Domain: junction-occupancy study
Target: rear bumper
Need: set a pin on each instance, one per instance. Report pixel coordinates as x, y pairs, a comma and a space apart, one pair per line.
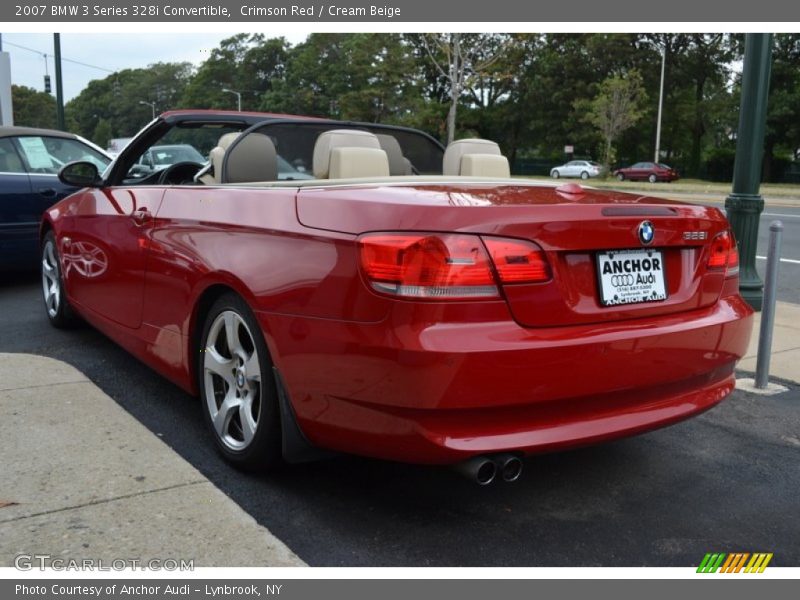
441, 392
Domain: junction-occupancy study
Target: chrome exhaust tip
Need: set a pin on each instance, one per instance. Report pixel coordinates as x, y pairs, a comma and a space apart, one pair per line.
480, 469
509, 467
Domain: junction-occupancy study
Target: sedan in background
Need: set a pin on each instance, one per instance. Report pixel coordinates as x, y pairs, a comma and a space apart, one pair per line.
578, 168
647, 171
29, 163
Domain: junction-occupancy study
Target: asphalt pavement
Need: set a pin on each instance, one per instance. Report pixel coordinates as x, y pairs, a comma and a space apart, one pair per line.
725, 481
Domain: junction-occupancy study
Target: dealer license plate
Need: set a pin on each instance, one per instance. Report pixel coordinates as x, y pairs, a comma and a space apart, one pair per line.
630, 276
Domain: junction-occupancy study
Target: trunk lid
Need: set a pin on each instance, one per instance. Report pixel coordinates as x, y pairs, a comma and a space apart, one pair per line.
573, 225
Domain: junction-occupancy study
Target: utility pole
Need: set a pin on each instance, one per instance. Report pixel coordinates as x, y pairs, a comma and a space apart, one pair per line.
59, 86
745, 204
657, 159
6, 105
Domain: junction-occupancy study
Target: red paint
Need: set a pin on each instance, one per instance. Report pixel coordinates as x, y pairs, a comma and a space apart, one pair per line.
539, 366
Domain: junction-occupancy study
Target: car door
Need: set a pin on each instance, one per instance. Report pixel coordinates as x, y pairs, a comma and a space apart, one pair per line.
20, 211
637, 171
105, 248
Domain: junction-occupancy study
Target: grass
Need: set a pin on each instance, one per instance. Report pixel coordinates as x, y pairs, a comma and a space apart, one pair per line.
685, 186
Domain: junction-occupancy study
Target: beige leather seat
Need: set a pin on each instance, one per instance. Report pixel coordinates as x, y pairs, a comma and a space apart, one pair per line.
251, 158
398, 164
349, 153
254, 158
211, 174
476, 158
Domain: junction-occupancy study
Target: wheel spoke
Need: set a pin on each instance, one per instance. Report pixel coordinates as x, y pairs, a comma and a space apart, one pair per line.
219, 365
246, 418
232, 334
253, 368
226, 410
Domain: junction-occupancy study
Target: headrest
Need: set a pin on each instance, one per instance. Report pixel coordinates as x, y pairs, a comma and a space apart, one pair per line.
338, 138
252, 158
485, 165
358, 162
451, 164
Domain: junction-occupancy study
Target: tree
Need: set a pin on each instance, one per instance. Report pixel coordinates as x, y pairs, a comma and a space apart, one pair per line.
33, 108
617, 106
116, 98
782, 142
247, 64
459, 57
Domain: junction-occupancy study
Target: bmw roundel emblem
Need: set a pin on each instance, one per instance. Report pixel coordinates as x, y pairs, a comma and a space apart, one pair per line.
646, 232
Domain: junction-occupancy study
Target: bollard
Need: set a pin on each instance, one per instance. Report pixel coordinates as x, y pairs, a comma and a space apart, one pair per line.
768, 308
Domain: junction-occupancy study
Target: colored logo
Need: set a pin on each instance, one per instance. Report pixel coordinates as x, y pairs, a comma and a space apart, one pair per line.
737, 562
646, 232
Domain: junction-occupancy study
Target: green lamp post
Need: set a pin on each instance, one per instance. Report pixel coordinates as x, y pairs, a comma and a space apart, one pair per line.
744, 205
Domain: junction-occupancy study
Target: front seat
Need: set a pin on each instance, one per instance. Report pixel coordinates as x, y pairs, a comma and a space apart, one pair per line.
250, 158
475, 157
349, 153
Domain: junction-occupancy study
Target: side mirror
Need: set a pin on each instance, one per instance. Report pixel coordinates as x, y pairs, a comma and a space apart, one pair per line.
80, 174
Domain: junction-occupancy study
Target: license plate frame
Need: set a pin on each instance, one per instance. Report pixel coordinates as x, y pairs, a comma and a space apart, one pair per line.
625, 281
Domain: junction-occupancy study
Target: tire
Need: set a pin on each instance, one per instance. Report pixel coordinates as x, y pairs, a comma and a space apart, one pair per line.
235, 376
652, 178
620, 176
555, 174
56, 305
584, 175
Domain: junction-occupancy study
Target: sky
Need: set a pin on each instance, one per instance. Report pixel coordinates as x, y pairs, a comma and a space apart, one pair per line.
102, 54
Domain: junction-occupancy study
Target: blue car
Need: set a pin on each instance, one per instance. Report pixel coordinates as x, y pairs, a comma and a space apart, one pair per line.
29, 163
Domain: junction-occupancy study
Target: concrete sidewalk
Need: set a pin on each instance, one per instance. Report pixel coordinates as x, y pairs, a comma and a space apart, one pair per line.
81, 478
785, 361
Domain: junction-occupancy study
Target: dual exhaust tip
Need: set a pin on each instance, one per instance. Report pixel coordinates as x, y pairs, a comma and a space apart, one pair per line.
483, 470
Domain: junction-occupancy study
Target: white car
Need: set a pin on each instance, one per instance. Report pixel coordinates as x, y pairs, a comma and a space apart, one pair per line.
578, 168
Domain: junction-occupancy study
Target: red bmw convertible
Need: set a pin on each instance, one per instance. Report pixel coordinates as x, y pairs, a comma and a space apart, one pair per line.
335, 286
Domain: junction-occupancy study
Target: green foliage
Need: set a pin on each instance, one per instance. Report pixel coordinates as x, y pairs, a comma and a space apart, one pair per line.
33, 108
102, 133
530, 92
248, 64
616, 107
117, 99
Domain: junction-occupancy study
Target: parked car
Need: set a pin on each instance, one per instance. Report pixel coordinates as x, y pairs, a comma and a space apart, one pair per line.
29, 163
578, 168
410, 302
647, 171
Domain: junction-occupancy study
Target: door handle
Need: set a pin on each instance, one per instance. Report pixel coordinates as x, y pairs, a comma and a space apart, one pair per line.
47, 192
140, 215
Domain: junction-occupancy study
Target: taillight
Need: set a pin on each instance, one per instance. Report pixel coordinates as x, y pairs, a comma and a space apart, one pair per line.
436, 266
518, 261
448, 266
724, 254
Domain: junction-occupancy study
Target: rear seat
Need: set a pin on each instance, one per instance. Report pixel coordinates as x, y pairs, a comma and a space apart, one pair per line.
349, 153
476, 158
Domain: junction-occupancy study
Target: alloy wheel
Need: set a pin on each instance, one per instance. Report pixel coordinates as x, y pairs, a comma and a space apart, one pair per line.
51, 280
232, 380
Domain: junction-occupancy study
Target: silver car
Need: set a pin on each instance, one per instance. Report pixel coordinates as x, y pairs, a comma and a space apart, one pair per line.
578, 168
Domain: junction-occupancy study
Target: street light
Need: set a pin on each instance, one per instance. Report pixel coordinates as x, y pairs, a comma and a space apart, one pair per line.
152, 106
238, 97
